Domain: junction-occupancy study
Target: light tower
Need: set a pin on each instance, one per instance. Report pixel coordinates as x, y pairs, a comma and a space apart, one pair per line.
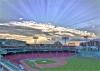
65, 38
35, 39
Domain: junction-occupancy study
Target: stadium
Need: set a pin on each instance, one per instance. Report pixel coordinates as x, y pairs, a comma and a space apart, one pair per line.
60, 53
49, 35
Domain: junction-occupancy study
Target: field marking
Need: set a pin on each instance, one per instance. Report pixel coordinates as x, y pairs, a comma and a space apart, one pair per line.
58, 62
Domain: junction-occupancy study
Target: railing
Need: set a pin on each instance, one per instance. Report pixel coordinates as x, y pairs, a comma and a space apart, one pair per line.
9, 65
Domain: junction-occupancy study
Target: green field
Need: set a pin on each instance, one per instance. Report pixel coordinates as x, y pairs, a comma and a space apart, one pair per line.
44, 61
30, 63
75, 64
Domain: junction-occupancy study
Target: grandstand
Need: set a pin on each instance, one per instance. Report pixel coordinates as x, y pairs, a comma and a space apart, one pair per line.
46, 42
15, 58
13, 52
90, 48
10, 66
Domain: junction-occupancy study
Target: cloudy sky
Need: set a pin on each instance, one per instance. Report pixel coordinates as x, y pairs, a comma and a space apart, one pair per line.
77, 14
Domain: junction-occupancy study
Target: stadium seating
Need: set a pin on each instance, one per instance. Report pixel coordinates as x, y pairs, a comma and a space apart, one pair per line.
16, 58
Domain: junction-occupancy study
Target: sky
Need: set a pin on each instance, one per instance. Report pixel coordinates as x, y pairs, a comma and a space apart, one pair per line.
76, 14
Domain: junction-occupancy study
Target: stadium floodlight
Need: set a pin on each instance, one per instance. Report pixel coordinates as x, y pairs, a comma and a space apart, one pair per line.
65, 38
35, 39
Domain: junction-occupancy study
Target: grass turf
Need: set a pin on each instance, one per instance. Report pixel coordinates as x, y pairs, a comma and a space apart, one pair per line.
76, 64
44, 61
30, 63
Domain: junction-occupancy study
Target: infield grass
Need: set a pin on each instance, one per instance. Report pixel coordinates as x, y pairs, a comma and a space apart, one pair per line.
75, 64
